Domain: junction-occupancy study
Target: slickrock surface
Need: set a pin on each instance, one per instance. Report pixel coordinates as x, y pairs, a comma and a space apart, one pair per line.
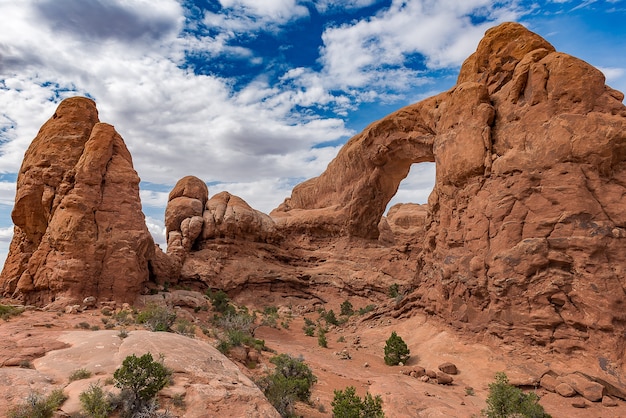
79, 229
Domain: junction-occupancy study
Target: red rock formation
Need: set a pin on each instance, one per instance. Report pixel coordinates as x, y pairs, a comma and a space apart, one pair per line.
79, 229
230, 216
526, 233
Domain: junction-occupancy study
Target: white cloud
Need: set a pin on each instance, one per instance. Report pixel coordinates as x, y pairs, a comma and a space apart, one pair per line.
417, 186
6, 235
612, 73
157, 230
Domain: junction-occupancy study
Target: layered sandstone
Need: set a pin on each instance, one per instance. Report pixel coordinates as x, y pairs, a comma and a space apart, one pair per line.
79, 230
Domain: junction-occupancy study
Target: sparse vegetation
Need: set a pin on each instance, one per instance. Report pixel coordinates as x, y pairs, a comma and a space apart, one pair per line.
156, 318
394, 290
83, 325
321, 338
347, 404
80, 374
238, 327
346, 308
505, 400
140, 379
291, 381
122, 334
38, 406
329, 317
8, 311
95, 402
220, 301
184, 327
366, 309
396, 350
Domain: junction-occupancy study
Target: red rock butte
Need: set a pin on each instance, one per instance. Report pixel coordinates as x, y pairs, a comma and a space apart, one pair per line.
523, 237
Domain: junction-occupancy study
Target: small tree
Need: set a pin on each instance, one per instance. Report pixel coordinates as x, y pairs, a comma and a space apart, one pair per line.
347, 404
504, 400
141, 378
396, 350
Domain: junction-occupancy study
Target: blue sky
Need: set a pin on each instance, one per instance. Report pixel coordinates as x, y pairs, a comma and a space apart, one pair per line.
255, 96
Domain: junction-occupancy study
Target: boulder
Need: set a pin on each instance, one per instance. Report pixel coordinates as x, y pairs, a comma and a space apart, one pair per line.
229, 216
588, 389
565, 390
448, 368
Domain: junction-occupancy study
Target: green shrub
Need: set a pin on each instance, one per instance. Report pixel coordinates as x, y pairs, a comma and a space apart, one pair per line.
156, 318
321, 338
330, 317
396, 350
504, 400
220, 301
83, 325
124, 317
37, 406
80, 374
394, 290
291, 381
347, 404
346, 308
366, 309
140, 379
7, 311
309, 330
95, 402
184, 327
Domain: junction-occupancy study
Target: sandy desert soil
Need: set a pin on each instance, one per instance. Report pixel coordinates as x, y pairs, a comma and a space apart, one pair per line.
25, 339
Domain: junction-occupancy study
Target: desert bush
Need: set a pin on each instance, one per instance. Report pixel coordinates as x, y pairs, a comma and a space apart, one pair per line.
347, 404
38, 406
505, 400
83, 325
330, 317
366, 309
184, 327
156, 318
346, 308
321, 338
140, 379
396, 350
95, 402
309, 330
220, 301
8, 311
394, 290
291, 381
124, 317
80, 374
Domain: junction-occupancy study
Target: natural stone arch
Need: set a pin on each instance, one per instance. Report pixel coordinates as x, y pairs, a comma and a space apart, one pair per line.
350, 197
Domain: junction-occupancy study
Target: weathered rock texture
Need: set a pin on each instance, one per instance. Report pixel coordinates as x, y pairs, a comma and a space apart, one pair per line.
526, 232
79, 230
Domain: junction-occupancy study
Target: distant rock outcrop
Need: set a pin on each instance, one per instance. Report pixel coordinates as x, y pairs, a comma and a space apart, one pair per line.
79, 229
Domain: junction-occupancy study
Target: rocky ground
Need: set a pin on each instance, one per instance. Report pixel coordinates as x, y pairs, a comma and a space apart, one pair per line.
40, 349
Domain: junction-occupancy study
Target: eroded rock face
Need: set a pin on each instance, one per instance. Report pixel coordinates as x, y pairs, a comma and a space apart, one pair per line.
526, 231
79, 229
531, 245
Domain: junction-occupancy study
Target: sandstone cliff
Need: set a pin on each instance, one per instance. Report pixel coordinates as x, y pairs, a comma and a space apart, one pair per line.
79, 230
